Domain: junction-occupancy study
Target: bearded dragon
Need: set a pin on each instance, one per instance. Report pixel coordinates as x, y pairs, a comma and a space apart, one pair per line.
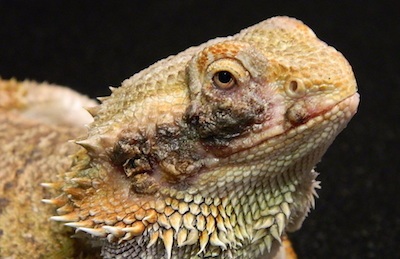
209, 153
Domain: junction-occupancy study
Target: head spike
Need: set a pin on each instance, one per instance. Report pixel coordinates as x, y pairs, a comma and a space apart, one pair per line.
97, 232
102, 98
59, 201
90, 144
66, 218
112, 89
136, 229
80, 224
82, 182
67, 208
56, 186
115, 231
93, 110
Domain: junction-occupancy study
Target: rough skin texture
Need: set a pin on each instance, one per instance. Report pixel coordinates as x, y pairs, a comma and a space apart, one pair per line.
34, 149
209, 153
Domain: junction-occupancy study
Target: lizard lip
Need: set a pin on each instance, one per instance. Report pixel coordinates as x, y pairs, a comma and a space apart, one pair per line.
342, 111
339, 113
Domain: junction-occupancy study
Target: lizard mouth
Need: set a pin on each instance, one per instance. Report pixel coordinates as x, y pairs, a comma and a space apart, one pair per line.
329, 121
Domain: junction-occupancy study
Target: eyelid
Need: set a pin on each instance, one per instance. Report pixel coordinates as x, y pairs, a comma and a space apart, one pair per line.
233, 66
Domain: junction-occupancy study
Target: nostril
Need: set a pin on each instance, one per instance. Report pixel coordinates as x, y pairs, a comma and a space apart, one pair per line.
295, 88
293, 85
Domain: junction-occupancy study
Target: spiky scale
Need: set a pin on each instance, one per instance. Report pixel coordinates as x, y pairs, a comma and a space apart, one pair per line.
136, 229
153, 239
265, 222
97, 232
192, 238
115, 231
80, 224
66, 218
203, 241
215, 241
168, 240
181, 237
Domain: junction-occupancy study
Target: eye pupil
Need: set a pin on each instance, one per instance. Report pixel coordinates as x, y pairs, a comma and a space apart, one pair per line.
224, 80
224, 77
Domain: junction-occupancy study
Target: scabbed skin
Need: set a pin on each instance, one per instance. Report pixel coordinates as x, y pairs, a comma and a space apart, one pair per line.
210, 152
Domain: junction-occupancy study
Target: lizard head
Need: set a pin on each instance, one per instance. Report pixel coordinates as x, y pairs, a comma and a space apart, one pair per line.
211, 150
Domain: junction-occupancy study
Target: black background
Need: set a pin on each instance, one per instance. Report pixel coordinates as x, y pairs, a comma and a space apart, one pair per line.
89, 45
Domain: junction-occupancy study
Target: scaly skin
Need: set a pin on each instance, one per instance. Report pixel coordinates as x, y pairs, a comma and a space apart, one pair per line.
34, 148
210, 152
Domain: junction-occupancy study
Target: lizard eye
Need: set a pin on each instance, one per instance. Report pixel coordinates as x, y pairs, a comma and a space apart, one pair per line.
223, 80
227, 73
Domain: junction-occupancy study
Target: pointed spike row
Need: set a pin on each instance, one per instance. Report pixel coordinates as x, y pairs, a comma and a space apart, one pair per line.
228, 239
273, 230
93, 110
200, 222
261, 248
56, 185
136, 229
67, 208
238, 234
79, 224
280, 220
111, 238
176, 221
82, 181
112, 89
288, 197
268, 242
261, 233
128, 236
244, 232
215, 241
221, 224
264, 223
163, 221
115, 231
285, 209
97, 232
90, 144
210, 225
227, 224
168, 240
153, 239
48, 201
192, 238
188, 221
57, 202
181, 236
66, 218
203, 241
75, 192
102, 98
151, 216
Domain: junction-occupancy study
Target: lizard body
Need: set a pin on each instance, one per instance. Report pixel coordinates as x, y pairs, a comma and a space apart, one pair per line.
210, 153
